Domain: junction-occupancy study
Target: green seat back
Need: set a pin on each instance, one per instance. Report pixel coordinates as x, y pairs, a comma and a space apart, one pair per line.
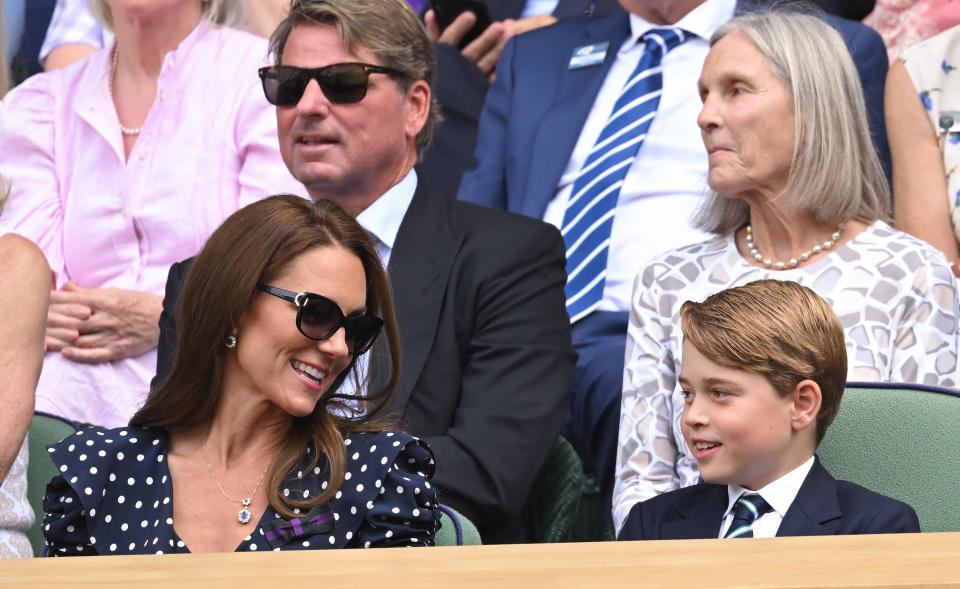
455, 529
901, 441
44, 429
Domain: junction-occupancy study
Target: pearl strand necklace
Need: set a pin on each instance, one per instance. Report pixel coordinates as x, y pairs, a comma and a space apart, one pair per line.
793, 262
113, 76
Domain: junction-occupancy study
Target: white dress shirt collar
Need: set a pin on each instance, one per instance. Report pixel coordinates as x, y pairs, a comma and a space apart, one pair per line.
702, 21
779, 494
382, 219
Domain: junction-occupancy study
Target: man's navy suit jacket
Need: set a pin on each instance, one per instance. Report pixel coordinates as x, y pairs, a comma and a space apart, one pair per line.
823, 506
537, 106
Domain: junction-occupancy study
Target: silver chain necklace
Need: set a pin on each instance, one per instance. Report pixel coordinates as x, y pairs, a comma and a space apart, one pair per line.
113, 77
244, 515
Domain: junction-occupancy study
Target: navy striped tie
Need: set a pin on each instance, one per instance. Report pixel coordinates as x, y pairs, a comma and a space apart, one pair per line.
749, 507
588, 218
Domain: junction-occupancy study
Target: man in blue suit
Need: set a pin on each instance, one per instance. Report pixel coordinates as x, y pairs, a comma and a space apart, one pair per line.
554, 91
763, 372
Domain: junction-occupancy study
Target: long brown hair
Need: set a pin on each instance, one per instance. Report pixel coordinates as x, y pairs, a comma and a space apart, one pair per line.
255, 245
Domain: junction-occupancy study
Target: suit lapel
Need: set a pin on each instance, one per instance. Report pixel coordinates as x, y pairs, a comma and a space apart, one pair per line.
576, 92
419, 268
816, 509
699, 518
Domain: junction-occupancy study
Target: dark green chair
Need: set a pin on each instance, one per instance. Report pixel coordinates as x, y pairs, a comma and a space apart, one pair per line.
455, 529
900, 440
566, 501
44, 429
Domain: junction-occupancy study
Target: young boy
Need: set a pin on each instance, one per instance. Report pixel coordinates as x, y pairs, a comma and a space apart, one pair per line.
762, 374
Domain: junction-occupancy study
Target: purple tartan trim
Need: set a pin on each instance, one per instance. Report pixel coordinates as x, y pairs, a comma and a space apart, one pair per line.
456, 522
281, 532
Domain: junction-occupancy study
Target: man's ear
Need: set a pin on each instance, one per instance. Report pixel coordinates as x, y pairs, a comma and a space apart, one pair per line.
418, 107
806, 397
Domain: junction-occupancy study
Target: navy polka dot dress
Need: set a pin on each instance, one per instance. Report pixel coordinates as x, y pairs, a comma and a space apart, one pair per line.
114, 496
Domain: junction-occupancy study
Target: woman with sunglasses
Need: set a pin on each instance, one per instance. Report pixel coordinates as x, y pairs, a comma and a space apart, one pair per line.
250, 443
124, 164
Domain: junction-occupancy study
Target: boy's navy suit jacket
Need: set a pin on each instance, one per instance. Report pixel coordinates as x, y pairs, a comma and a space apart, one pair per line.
823, 506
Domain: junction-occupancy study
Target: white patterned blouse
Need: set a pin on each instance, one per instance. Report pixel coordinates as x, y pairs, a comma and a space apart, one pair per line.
894, 294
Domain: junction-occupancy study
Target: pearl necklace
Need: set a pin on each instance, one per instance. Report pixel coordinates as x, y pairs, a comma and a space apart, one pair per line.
244, 515
113, 76
793, 262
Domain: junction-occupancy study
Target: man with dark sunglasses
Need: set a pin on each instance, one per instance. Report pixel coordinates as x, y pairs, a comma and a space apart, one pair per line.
487, 361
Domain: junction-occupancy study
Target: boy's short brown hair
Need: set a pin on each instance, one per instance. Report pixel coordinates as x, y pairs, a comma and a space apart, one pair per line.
780, 330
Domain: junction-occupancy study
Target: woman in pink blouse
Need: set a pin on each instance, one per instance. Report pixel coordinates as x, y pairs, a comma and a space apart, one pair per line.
122, 164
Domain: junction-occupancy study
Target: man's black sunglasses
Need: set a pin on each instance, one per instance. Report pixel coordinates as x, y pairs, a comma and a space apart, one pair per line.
318, 318
341, 83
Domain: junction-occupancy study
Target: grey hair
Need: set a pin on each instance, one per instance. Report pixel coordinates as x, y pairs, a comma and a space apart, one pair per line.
835, 173
220, 12
389, 29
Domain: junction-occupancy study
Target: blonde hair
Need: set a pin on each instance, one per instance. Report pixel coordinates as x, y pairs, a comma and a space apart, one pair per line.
389, 29
835, 173
779, 330
220, 12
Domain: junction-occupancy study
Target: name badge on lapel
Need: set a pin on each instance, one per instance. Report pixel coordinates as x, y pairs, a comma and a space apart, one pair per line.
588, 55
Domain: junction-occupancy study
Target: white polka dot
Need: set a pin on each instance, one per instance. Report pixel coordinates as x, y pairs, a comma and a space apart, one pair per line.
355, 455
156, 504
82, 457
333, 540
369, 504
286, 492
338, 495
306, 544
180, 544
159, 552
133, 440
155, 540
131, 481
359, 487
377, 483
416, 512
353, 509
121, 499
163, 479
93, 470
70, 529
363, 468
347, 442
347, 476
139, 457
316, 470
169, 521
107, 518
112, 477
373, 448
306, 494
73, 480
160, 458
138, 504
349, 535
383, 460
296, 510
149, 480
416, 490
63, 468
144, 524
132, 546
119, 455
166, 500
389, 434
299, 474
123, 432
336, 516
248, 538
68, 500
397, 443
70, 448
389, 534
366, 544
113, 548
395, 510
400, 489
89, 442
88, 491
253, 547
323, 485
171, 542
123, 527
